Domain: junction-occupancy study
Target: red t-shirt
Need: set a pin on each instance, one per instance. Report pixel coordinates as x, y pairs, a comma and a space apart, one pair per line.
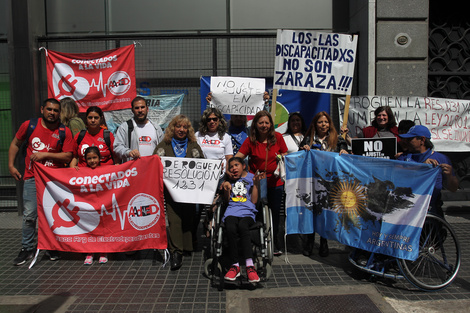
43, 139
257, 153
97, 140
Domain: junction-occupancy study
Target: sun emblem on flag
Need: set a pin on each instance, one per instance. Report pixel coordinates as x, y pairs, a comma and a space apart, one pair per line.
348, 198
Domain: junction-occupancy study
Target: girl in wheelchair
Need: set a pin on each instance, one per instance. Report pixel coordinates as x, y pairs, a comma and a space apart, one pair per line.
241, 194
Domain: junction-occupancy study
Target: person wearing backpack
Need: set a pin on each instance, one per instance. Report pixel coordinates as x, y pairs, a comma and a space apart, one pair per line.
138, 136
50, 143
94, 135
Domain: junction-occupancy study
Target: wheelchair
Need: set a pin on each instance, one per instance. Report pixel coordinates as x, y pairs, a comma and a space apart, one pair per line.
216, 265
435, 268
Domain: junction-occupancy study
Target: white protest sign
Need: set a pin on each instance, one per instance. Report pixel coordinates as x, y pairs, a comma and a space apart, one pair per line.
191, 180
237, 95
314, 61
448, 120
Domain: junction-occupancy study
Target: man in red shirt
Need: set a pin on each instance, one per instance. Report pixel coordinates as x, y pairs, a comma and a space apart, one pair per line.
49, 143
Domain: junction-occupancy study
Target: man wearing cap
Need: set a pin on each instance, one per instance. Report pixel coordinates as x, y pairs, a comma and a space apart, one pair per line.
420, 149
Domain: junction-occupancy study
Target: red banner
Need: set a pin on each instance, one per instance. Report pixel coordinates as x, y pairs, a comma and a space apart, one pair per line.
105, 79
113, 208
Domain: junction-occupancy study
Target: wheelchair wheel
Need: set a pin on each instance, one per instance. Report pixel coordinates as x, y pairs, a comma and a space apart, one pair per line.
268, 236
215, 273
208, 268
439, 256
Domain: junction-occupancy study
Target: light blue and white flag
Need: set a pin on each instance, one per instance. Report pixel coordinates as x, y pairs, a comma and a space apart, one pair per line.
377, 205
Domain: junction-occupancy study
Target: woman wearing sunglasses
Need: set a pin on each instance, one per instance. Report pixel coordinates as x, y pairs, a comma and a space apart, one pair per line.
216, 144
212, 137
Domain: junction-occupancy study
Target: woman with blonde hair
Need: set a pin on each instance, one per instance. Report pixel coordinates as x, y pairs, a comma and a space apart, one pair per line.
69, 115
179, 141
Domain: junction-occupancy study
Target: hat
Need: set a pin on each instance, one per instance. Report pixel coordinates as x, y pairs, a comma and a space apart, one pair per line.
417, 131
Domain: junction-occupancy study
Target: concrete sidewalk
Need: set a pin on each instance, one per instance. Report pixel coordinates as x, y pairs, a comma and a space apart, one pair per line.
138, 284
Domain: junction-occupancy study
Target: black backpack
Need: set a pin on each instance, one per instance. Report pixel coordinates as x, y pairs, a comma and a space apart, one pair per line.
106, 137
32, 126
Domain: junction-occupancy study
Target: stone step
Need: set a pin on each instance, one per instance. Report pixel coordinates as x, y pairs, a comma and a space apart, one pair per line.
459, 195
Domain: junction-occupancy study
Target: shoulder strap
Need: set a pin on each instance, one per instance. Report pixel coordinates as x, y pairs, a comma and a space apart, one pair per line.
61, 135
296, 141
107, 138
32, 125
81, 136
235, 139
130, 127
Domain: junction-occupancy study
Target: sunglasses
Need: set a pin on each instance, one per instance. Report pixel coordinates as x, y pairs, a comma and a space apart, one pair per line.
212, 119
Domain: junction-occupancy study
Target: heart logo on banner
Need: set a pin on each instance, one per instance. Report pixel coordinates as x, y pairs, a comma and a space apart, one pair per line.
66, 84
64, 214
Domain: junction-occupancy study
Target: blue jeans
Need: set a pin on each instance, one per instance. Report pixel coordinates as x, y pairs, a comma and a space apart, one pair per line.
274, 203
30, 214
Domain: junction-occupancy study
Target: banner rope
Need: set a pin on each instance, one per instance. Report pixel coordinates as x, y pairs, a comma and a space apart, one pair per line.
34, 259
167, 257
286, 258
43, 48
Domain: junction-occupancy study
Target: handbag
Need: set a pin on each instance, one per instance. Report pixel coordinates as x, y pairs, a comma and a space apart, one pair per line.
281, 168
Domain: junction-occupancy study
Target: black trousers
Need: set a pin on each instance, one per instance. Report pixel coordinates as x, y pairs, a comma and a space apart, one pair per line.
237, 230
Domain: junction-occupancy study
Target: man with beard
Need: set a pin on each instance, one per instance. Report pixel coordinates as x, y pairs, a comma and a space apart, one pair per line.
50, 143
138, 136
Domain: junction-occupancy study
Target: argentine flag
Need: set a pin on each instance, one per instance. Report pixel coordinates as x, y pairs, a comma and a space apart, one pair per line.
373, 204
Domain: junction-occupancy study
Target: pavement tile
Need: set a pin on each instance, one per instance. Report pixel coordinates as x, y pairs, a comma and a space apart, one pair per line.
128, 285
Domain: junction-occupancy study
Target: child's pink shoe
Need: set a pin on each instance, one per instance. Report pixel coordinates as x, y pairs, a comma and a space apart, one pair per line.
103, 258
88, 259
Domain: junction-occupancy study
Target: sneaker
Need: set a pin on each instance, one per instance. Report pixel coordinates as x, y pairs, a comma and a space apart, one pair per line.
103, 258
23, 256
53, 255
232, 273
88, 259
252, 275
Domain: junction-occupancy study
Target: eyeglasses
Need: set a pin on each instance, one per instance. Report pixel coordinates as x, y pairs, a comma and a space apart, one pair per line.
212, 119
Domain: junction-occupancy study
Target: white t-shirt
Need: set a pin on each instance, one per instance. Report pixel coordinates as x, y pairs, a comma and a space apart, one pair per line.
214, 148
146, 134
292, 146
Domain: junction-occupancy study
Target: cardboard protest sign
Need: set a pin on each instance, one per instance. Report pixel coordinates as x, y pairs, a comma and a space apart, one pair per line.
105, 79
384, 148
113, 208
191, 180
448, 120
237, 95
314, 61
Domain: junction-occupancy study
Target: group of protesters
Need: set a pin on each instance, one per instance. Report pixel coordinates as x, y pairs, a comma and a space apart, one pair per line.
60, 138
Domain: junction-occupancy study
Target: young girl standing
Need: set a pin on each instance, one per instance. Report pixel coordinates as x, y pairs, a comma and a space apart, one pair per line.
92, 158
